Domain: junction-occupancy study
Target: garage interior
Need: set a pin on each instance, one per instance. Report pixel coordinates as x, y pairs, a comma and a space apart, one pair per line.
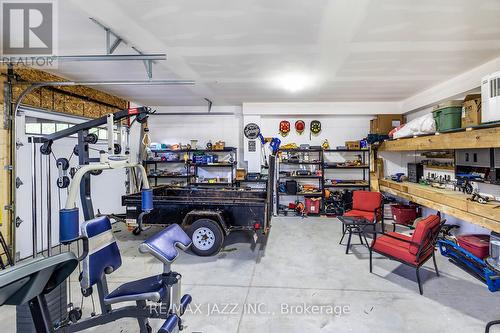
250, 166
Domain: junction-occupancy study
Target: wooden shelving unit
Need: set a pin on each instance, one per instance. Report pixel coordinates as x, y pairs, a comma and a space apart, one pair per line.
472, 138
449, 202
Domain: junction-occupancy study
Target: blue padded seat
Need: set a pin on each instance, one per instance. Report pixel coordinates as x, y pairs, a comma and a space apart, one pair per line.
163, 245
148, 289
104, 258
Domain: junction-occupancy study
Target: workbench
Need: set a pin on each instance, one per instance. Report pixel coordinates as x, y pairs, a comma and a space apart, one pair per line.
453, 203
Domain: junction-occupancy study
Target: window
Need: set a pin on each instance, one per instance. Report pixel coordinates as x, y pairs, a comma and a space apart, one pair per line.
35, 126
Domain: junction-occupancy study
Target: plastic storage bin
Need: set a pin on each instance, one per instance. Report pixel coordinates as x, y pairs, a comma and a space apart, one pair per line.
448, 116
404, 214
312, 205
478, 245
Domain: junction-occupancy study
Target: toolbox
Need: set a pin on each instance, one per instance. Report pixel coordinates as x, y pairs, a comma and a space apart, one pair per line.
478, 245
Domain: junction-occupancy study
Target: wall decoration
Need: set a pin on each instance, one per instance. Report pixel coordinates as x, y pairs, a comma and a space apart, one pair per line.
315, 127
284, 127
300, 126
251, 131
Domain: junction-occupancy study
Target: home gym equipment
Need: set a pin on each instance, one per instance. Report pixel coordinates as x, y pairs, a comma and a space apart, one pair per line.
30, 282
34, 281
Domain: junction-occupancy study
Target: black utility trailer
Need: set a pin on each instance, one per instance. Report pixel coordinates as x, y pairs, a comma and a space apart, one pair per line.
208, 214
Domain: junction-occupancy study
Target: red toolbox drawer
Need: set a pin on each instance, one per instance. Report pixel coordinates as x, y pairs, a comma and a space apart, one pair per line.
478, 245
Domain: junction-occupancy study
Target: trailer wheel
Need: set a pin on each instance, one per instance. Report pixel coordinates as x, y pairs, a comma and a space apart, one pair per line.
207, 237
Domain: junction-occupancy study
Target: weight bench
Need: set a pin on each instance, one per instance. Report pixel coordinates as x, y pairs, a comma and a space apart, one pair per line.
29, 282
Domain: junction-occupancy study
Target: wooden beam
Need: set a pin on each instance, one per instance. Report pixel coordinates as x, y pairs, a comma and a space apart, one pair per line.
469, 139
449, 202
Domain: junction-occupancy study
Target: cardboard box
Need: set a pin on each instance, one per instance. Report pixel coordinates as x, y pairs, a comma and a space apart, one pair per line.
241, 174
353, 145
471, 110
384, 123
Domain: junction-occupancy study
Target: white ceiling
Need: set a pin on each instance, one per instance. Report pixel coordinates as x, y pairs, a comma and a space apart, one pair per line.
378, 50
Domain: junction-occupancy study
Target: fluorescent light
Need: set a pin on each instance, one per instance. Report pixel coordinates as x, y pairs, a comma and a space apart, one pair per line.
294, 82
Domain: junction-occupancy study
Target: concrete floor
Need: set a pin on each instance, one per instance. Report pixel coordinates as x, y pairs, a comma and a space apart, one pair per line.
244, 289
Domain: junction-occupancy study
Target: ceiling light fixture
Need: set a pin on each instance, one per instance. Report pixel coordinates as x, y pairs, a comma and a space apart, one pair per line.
294, 82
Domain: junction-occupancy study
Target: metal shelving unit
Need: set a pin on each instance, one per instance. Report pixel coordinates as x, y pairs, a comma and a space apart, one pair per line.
191, 168
363, 183
319, 166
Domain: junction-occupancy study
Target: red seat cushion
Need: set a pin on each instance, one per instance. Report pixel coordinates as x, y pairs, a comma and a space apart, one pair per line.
366, 201
421, 232
367, 215
397, 248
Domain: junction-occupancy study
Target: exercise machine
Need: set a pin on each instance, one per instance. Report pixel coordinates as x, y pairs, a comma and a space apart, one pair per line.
30, 282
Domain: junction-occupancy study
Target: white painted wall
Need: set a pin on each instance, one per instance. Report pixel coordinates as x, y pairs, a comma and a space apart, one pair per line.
340, 122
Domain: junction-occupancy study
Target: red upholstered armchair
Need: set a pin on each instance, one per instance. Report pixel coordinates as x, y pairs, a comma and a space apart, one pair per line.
413, 250
366, 204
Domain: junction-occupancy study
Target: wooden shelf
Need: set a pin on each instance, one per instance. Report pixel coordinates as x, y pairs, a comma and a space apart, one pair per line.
464, 139
449, 202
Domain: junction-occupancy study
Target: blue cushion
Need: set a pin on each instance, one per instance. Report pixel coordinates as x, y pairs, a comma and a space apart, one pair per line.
163, 244
104, 255
149, 289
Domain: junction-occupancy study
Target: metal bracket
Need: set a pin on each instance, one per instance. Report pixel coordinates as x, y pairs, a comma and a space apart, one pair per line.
8, 167
149, 68
18, 221
8, 207
111, 46
19, 182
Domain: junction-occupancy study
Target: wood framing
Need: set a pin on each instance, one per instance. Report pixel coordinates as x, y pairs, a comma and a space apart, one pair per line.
474, 138
449, 202
75, 100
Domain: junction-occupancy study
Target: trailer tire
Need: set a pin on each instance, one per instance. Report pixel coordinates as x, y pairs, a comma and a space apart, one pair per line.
207, 237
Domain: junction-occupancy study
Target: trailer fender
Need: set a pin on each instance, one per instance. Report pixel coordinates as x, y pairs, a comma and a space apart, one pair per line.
208, 214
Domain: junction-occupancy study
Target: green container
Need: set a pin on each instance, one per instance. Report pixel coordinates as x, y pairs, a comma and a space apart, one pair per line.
448, 116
